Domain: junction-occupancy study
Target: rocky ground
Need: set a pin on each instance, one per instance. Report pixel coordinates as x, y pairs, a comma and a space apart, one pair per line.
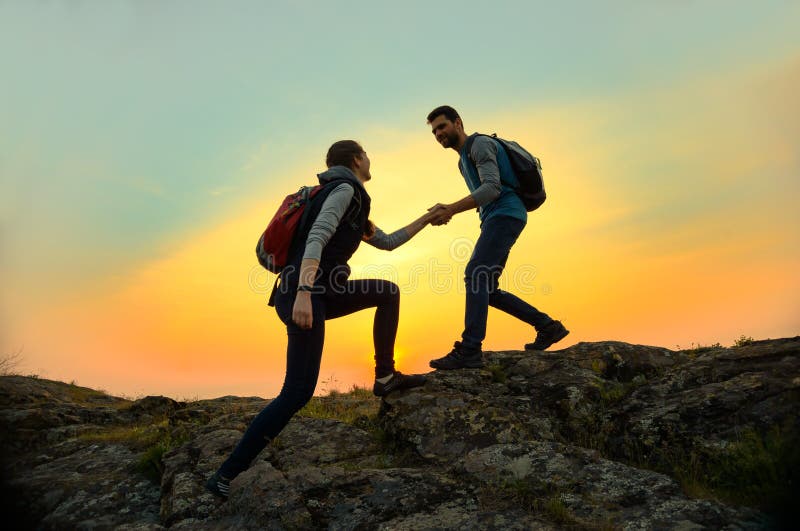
601, 435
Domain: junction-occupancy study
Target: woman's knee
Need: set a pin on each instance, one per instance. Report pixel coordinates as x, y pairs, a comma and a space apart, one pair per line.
388, 290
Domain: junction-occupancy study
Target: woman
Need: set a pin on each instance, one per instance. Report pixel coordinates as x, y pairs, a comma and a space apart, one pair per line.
314, 287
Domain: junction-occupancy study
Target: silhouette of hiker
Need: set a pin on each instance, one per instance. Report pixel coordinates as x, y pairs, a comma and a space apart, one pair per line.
503, 216
314, 287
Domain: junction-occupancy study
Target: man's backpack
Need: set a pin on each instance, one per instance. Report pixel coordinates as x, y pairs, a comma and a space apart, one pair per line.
526, 167
275, 246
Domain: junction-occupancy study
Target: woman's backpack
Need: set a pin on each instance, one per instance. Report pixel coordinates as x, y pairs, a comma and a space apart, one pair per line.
275, 246
276, 241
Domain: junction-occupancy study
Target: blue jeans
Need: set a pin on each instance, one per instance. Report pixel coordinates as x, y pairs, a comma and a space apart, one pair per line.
304, 355
482, 277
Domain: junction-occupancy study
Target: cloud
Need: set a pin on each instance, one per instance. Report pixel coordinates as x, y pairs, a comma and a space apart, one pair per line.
216, 192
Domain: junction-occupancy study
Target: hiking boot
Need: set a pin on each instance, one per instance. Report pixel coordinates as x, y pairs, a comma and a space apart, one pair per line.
460, 357
218, 485
398, 381
550, 333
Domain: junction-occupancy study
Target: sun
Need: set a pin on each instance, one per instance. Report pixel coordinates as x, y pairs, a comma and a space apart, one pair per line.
399, 355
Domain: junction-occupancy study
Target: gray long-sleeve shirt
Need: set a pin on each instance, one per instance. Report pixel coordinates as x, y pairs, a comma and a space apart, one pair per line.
329, 217
484, 153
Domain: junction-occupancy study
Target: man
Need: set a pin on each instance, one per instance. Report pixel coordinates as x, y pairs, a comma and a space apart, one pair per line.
491, 181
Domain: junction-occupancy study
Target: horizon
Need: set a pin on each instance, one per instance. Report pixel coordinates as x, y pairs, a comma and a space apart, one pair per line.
330, 387
147, 146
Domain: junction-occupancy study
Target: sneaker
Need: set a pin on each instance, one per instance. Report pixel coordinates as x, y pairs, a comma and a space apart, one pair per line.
460, 357
218, 485
553, 332
398, 381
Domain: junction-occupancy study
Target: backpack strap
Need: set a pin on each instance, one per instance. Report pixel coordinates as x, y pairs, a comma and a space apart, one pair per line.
349, 214
304, 225
471, 140
271, 300
353, 210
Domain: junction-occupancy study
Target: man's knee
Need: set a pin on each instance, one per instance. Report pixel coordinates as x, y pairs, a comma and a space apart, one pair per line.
494, 295
481, 277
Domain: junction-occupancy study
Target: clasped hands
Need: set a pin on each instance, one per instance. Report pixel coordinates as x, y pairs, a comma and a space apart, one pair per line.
439, 214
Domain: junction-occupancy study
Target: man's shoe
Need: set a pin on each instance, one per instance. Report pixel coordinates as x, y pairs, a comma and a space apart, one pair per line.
398, 381
550, 333
460, 357
218, 485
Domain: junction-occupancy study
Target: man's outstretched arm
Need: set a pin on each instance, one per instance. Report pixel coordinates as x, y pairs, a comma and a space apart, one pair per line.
484, 153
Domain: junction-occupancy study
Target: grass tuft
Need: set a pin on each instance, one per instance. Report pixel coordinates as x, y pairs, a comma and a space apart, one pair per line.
345, 407
151, 462
498, 373
760, 470
136, 437
535, 498
153, 440
9, 363
743, 341
701, 349
756, 470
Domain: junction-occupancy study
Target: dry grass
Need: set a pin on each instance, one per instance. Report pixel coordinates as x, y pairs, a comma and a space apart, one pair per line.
137, 437
346, 407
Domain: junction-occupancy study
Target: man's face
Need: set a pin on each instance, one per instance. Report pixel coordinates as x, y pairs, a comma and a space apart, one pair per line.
445, 131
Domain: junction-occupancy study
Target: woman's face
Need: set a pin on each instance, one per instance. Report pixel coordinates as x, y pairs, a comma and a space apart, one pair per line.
362, 165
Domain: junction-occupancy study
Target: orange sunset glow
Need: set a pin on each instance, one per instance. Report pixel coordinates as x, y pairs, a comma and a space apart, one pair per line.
670, 217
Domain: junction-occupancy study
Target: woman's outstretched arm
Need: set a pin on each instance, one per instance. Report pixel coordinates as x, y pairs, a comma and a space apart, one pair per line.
389, 242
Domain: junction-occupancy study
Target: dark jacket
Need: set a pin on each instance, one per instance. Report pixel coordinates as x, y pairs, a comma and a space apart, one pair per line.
333, 270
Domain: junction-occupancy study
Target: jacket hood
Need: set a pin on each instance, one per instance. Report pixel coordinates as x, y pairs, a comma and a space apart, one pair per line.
339, 172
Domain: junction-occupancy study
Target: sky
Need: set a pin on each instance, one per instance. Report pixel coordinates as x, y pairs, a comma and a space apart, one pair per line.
145, 145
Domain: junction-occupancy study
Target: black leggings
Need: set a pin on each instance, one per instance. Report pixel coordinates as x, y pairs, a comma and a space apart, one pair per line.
304, 354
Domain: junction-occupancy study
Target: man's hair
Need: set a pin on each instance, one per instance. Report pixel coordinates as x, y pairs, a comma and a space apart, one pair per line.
449, 113
342, 153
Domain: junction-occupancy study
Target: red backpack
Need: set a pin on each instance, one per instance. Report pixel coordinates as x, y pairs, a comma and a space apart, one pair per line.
275, 243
